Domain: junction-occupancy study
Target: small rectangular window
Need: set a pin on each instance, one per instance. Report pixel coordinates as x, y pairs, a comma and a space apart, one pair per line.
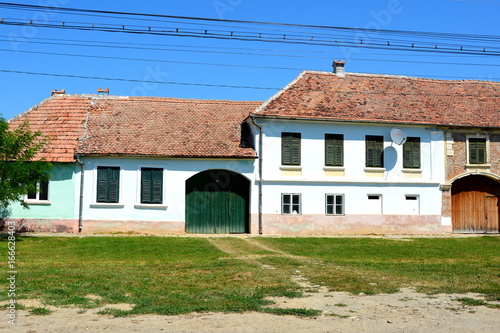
374, 151
41, 194
334, 204
290, 148
374, 204
412, 204
108, 184
290, 204
477, 150
151, 185
334, 150
411, 153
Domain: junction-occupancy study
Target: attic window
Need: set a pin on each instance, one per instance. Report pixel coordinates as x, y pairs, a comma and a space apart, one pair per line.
246, 139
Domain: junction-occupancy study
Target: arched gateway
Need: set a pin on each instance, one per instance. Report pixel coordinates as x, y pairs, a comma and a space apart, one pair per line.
475, 204
217, 202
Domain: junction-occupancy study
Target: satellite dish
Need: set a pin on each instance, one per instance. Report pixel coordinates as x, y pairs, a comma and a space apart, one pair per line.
398, 136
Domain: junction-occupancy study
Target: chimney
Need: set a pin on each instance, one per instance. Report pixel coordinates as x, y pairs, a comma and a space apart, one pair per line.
338, 67
102, 91
60, 92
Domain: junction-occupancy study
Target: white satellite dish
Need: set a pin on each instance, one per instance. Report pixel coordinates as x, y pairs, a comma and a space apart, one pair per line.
398, 136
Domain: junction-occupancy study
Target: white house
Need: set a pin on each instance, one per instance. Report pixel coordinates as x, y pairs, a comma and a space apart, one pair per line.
331, 153
330, 164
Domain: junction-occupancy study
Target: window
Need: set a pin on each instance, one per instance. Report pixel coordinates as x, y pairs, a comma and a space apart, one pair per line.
412, 204
151, 185
334, 150
108, 184
374, 151
41, 194
290, 204
374, 204
290, 148
477, 150
334, 204
411, 153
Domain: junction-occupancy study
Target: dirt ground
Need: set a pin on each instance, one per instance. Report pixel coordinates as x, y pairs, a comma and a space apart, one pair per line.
405, 311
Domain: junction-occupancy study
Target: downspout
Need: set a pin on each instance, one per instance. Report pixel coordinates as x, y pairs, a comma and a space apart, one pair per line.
80, 206
259, 156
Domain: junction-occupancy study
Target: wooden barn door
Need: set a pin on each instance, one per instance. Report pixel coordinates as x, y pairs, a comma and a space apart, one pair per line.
475, 205
217, 202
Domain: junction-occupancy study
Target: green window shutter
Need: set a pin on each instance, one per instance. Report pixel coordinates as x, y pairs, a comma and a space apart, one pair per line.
108, 183
290, 148
411, 153
114, 184
157, 186
416, 154
286, 149
374, 151
102, 184
145, 186
296, 149
151, 185
334, 150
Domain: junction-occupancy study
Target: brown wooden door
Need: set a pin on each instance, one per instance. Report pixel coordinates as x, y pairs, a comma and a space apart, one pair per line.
492, 212
474, 205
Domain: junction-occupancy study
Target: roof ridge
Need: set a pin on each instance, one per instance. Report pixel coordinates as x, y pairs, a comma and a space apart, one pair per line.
154, 98
402, 77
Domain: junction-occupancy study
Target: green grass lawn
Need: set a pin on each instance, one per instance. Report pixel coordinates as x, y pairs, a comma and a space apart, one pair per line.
174, 275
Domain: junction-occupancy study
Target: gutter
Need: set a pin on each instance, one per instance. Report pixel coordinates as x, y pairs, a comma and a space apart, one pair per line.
259, 156
80, 206
378, 122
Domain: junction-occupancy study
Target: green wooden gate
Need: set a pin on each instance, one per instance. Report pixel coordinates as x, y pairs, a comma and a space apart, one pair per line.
217, 202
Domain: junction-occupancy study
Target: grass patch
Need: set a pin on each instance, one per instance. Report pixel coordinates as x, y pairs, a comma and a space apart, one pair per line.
341, 305
476, 302
40, 311
431, 265
177, 275
338, 316
159, 275
292, 312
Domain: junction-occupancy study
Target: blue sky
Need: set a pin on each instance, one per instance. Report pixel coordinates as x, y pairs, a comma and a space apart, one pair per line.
230, 62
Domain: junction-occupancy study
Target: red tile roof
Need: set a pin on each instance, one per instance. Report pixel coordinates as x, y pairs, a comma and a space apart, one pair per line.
387, 99
139, 126
147, 126
62, 119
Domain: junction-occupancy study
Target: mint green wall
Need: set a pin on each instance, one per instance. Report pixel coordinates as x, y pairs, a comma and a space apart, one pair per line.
61, 196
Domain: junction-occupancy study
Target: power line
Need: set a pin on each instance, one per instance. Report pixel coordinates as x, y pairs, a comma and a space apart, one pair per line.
206, 84
134, 80
228, 35
204, 19
162, 47
155, 60
241, 66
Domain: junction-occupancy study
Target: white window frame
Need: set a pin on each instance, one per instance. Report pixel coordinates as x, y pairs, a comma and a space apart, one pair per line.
138, 203
335, 205
291, 203
37, 200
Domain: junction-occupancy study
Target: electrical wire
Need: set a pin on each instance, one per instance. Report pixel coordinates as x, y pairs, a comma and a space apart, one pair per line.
204, 19
450, 48
134, 80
